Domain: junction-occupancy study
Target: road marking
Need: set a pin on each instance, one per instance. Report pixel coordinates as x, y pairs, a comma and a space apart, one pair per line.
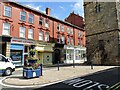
86, 84
117, 85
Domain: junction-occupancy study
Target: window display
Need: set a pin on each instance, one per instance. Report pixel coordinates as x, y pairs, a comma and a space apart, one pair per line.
16, 56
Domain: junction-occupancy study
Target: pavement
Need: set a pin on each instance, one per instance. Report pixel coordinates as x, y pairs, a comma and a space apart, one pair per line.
51, 76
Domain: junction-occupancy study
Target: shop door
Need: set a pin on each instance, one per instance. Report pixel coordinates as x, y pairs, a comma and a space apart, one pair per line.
57, 56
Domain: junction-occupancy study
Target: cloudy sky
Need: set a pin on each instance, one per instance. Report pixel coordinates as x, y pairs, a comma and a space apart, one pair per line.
59, 10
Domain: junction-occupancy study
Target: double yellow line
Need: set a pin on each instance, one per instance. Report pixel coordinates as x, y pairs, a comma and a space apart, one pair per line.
115, 87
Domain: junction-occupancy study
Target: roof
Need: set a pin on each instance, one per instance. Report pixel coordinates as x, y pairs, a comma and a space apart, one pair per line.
46, 15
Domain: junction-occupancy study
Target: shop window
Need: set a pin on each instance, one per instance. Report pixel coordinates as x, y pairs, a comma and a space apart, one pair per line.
77, 55
70, 54
7, 11
31, 18
16, 56
23, 15
41, 21
6, 29
22, 32
41, 35
47, 36
30, 33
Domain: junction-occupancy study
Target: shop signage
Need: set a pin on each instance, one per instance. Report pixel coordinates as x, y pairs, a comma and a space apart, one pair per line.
21, 41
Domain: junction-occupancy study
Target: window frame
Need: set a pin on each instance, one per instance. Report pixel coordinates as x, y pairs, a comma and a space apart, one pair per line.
62, 28
68, 30
47, 38
58, 27
41, 20
23, 14
6, 29
69, 41
47, 23
10, 11
41, 35
30, 33
31, 17
97, 8
58, 38
63, 40
23, 32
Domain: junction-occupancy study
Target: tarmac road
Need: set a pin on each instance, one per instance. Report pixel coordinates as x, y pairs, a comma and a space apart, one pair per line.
97, 81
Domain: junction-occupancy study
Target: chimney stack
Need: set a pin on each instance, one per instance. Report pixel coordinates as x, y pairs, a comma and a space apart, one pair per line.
48, 11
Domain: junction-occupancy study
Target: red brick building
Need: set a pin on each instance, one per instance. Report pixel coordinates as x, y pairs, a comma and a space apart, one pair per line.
75, 19
21, 27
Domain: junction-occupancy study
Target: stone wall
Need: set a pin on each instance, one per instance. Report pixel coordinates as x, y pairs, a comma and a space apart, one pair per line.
102, 33
105, 20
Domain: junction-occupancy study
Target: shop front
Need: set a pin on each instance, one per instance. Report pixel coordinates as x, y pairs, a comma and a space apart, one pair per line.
44, 52
75, 53
19, 50
5, 45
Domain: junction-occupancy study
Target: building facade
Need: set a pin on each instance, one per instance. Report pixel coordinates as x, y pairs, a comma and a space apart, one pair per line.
102, 25
22, 27
75, 19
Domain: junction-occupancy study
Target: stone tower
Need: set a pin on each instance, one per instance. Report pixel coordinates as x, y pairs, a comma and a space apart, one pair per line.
102, 25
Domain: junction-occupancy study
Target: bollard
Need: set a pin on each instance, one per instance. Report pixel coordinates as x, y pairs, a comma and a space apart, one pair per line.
41, 70
91, 65
58, 65
73, 64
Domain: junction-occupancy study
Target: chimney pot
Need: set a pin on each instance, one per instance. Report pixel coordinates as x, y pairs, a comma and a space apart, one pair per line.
48, 10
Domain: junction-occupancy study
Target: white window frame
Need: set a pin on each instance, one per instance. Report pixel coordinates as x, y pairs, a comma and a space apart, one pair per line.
41, 20
68, 30
68, 40
79, 42
72, 41
63, 39
47, 36
71, 30
30, 33
7, 9
58, 38
79, 33
63, 28
41, 35
6, 29
22, 32
47, 23
22, 14
58, 27
31, 18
